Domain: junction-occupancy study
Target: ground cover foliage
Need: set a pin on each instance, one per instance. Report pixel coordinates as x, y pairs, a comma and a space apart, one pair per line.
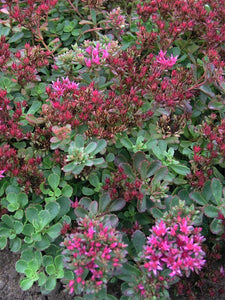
112, 145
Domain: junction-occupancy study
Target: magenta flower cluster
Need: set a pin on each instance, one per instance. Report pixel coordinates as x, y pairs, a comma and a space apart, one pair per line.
92, 252
176, 247
96, 55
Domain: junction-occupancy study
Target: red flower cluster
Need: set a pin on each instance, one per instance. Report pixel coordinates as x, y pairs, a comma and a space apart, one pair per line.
31, 14
30, 177
119, 186
104, 115
9, 119
27, 62
4, 53
207, 156
152, 78
204, 19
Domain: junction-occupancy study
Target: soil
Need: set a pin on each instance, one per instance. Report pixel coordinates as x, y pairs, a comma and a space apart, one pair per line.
10, 290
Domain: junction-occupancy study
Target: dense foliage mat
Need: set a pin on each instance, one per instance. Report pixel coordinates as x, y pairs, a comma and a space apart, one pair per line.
112, 144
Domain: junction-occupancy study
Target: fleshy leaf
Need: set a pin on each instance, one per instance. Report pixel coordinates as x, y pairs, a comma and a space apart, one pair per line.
180, 169
211, 211
216, 188
79, 141
101, 145
216, 226
104, 201
138, 240
198, 198
138, 157
117, 205
53, 180
90, 148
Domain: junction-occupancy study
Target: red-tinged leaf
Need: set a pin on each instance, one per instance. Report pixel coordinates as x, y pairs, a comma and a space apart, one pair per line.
161, 173
143, 169
93, 207
33, 120
138, 157
104, 201
117, 205
211, 211
153, 167
216, 226
81, 212
198, 198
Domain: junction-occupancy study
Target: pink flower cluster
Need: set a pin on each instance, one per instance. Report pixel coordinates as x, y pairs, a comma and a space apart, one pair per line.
176, 247
93, 252
64, 86
97, 55
1, 174
166, 62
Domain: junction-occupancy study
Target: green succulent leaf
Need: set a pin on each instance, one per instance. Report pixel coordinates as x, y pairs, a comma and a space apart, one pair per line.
217, 189
32, 214
64, 204
180, 169
216, 226
79, 141
101, 145
126, 142
26, 284
138, 239
198, 198
211, 211
22, 199
157, 213
69, 167
3, 242
53, 208
143, 169
138, 157
15, 244
54, 231
93, 207
44, 218
128, 170
78, 169
129, 273
50, 283
50, 269
98, 161
104, 202
53, 180
117, 205
21, 266
87, 191
43, 244
67, 191
8, 220
90, 148
94, 180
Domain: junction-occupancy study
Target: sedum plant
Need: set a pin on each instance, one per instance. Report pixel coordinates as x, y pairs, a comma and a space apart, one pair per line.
112, 144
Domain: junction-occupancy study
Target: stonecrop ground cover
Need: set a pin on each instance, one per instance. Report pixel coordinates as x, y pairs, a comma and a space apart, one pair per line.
112, 145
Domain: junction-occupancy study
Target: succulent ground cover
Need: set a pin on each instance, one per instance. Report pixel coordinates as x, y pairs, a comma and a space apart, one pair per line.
112, 145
